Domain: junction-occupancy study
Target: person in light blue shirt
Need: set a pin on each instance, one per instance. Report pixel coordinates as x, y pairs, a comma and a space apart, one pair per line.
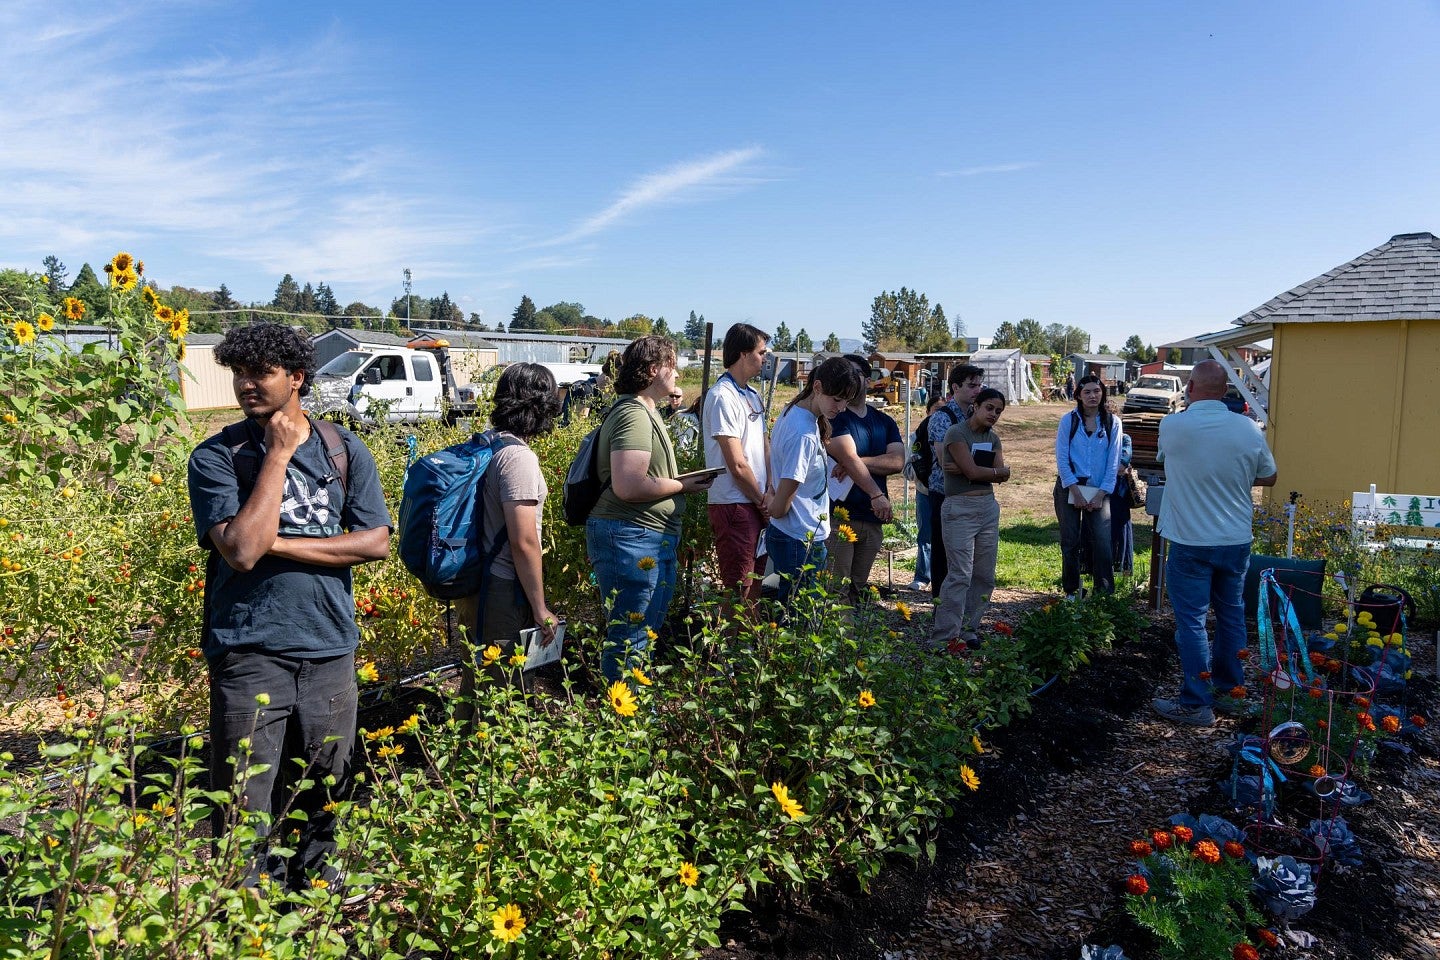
1087, 461
1212, 459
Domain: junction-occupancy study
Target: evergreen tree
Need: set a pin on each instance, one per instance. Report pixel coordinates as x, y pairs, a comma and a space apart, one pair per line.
87, 289
524, 316
662, 329
500, 327
832, 344
287, 295
957, 327
695, 329
899, 320
1006, 336
443, 311
1104, 348
305, 303
803, 343
937, 334
224, 299
55, 275
782, 343
325, 302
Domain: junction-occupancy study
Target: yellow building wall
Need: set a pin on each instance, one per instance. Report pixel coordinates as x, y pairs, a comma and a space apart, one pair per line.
1353, 404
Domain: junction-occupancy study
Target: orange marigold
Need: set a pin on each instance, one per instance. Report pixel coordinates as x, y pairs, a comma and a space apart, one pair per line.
1140, 848
1317, 692
1366, 721
1136, 885
1267, 936
1317, 770
1184, 834
1243, 653
1245, 951
1390, 724
1318, 658
1238, 693
1233, 849
1418, 720
1204, 674
1363, 703
1161, 839
1207, 852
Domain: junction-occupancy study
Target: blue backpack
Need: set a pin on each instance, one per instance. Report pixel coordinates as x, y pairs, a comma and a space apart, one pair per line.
441, 517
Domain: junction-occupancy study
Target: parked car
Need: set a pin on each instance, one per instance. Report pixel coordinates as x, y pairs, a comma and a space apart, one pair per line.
1155, 393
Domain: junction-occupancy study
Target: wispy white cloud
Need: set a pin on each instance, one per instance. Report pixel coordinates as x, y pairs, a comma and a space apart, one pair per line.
989, 168
666, 186
110, 139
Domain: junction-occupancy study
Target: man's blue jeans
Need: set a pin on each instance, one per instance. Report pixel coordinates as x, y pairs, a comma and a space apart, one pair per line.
796, 561
635, 568
1197, 579
922, 537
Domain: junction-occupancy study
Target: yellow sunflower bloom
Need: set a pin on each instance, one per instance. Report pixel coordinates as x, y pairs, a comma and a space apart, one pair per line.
74, 309
646, 563
977, 744
790, 808
124, 279
410, 725
489, 655
689, 876
151, 298
640, 677
847, 533
841, 514
24, 331
904, 609
636, 616
509, 923
969, 777
622, 698
163, 313
122, 262
367, 672
517, 660
45, 322
866, 699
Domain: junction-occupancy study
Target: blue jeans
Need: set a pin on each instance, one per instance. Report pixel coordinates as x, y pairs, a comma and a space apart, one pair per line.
1198, 578
635, 591
922, 537
796, 561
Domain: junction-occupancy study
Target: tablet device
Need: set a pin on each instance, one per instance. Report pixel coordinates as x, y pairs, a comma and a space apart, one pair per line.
536, 654
710, 472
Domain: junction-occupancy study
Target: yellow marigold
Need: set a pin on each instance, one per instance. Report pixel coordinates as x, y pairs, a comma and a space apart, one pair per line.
867, 699
975, 742
1365, 617
790, 808
846, 533
24, 331
489, 655
622, 698
969, 777
640, 677
411, 724
688, 874
367, 672
1395, 639
45, 322
509, 923
646, 563
904, 609
1341, 627
74, 308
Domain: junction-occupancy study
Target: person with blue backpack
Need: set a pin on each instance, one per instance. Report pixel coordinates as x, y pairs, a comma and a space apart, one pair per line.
632, 536
511, 593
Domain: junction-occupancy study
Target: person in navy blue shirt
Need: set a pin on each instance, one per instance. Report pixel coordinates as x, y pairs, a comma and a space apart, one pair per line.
866, 445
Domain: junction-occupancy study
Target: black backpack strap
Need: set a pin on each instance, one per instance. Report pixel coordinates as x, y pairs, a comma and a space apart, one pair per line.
335, 451
243, 455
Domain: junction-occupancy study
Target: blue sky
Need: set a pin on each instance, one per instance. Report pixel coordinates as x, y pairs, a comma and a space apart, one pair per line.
1123, 167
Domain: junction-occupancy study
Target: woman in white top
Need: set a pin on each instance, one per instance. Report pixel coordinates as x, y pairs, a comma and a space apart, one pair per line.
800, 507
1087, 461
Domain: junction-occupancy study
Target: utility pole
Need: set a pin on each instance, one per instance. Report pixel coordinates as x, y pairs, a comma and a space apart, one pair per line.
407, 298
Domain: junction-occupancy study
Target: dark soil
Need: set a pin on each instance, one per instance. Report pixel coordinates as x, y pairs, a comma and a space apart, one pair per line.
1031, 865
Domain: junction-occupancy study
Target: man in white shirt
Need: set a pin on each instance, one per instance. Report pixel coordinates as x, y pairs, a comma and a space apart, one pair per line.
734, 428
1212, 458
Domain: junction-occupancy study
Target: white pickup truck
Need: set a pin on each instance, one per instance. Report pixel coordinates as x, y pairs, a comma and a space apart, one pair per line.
1155, 393
410, 384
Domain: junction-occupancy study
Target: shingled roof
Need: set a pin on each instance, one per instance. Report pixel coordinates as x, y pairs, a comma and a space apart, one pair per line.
1398, 280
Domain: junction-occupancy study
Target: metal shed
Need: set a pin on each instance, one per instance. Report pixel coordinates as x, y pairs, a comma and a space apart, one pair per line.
1007, 371
332, 343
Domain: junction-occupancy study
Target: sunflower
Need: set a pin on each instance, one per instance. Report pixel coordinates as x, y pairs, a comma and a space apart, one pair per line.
689, 876
151, 298
509, 923
904, 609
622, 698
969, 777
846, 533
45, 322
646, 563
517, 660
640, 677
24, 331
74, 308
489, 655
791, 808
977, 744
867, 699
125, 280
367, 673
121, 262
162, 313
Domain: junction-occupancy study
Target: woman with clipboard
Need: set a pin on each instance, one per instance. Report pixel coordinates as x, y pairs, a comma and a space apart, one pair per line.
1087, 458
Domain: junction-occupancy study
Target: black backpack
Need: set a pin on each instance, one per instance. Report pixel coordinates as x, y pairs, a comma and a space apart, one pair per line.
923, 450
582, 481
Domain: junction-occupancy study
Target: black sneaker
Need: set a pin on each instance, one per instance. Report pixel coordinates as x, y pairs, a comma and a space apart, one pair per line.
1178, 713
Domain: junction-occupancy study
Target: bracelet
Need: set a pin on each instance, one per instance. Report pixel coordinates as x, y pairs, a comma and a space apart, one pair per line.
878, 496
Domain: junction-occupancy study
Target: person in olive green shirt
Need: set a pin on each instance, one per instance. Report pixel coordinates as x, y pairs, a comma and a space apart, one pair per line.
633, 534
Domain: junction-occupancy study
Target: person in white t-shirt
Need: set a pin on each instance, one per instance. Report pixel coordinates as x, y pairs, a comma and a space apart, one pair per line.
734, 429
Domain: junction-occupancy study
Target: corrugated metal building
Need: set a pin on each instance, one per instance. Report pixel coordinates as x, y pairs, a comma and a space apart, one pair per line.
529, 347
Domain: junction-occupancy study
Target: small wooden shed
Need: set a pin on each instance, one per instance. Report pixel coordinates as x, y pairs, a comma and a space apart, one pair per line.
205, 384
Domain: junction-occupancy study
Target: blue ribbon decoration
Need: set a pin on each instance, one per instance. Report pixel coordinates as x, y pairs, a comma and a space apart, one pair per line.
1269, 656
1252, 750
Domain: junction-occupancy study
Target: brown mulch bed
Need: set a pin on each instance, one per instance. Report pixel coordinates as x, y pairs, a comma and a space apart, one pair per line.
1031, 865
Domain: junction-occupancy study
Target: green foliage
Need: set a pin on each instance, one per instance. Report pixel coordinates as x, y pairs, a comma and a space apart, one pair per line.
903, 320
1198, 910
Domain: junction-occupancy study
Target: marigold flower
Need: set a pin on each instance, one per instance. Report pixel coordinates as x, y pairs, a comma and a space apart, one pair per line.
1136, 885
904, 609
74, 308
1318, 658
1418, 720
1184, 834
1363, 703
1342, 628
1243, 653
1233, 849
867, 699
1390, 724
622, 698
509, 923
640, 677
1316, 692
367, 673
969, 777
1204, 674
1004, 629
1245, 951
24, 331
847, 533
1207, 852
489, 655
1395, 639
1317, 770
688, 874
790, 808
1268, 937
1238, 693
646, 563
1139, 848
1162, 839
1366, 721
1323, 724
